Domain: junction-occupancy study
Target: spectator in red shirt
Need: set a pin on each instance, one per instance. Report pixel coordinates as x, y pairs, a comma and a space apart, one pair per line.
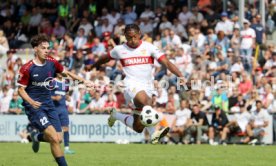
245, 85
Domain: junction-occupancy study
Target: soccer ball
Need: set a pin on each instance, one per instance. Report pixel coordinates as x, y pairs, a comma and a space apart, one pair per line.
149, 117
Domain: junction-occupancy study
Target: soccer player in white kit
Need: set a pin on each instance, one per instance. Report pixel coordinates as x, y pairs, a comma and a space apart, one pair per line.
137, 58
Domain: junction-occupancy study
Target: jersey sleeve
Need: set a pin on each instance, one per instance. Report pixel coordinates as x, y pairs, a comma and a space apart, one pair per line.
113, 54
58, 66
156, 53
24, 76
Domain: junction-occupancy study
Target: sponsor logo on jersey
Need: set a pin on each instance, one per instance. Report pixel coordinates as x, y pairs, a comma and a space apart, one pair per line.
35, 75
136, 61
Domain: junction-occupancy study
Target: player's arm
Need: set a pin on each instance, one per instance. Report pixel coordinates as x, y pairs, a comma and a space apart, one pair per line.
23, 94
102, 60
164, 61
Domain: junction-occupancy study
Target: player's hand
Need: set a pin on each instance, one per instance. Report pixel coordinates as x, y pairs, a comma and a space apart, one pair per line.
35, 104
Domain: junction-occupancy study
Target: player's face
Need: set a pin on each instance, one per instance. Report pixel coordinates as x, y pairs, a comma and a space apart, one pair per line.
133, 38
42, 50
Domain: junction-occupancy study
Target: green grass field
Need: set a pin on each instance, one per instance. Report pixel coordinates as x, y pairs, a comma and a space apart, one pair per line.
93, 154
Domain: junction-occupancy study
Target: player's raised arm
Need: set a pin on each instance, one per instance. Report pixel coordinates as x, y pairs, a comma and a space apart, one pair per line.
102, 60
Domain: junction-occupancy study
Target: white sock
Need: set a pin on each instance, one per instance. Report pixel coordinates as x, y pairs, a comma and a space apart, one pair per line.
66, 147
126, 119
151, 130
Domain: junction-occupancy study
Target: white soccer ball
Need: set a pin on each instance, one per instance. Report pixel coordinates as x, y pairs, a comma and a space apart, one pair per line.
149, 117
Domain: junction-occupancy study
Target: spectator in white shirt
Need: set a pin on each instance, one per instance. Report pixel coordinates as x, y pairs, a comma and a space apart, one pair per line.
197, 16
224, 25
80, 40
146, 26
86, 26
106, 26
198, 40
181, 118
175, 39
184, 15
113, 17
147, 13
248, 37
165, 24
259, 121
5, 102
179, 29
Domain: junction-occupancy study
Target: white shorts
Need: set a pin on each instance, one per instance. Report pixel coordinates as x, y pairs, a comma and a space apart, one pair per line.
131, 89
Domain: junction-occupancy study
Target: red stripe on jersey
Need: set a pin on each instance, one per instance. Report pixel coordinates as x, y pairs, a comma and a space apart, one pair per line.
59, 67
247, 36
161, 57
24, 73
136, 61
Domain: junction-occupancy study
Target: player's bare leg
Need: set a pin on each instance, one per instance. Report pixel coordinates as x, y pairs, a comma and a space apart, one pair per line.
55, 138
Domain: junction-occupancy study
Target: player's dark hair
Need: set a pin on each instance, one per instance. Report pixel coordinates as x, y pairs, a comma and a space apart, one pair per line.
38, 39
131, 27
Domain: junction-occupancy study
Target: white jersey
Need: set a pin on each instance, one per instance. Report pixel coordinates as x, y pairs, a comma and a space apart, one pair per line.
137, 62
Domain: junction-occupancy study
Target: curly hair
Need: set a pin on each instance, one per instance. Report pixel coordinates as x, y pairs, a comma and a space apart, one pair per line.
38, 39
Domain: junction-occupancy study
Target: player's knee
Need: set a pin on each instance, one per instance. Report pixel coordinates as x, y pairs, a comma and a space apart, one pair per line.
55, 139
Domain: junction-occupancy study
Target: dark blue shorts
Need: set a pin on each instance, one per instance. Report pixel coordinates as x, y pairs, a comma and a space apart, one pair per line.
63, 116
43, 117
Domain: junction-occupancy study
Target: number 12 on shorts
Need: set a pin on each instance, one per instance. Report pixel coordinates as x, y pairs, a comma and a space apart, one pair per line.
43, 121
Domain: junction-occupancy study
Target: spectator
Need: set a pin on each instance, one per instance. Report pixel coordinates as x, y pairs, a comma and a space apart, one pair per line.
198, 123
248, 37
238, 124
80, 40
223, 65
184, 15
259, 121
130, 16
224, 25
220, 99
78, 61
86, 26
16, 106
106, 26
35, 21
4, 45
179, 29
113, 18
180, 121
98, 48
147, 13
58, 30
97, 104
219, 120
245, 85
223, 41
146, 26
165, 24
4, 101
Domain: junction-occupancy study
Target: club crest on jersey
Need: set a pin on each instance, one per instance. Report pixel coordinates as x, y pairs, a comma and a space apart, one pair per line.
144, 52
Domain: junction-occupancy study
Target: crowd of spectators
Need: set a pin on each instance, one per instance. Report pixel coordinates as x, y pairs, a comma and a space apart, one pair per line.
207, 44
